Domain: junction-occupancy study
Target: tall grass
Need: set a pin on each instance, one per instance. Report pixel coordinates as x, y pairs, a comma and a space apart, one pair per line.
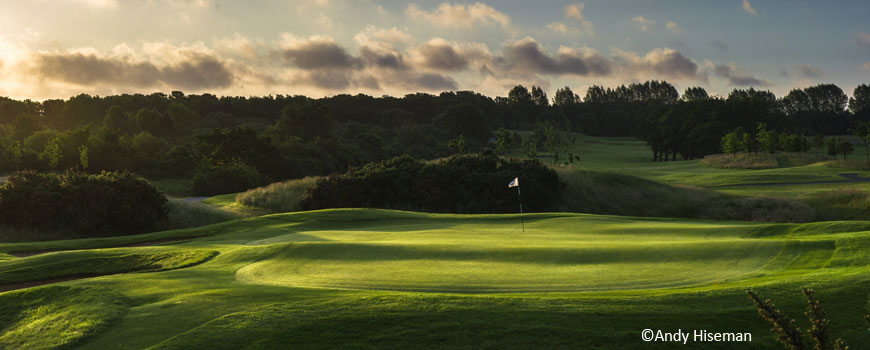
761, 160
278, 197
184, 214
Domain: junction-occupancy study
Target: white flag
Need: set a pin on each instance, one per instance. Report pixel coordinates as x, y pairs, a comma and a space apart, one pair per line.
514, 183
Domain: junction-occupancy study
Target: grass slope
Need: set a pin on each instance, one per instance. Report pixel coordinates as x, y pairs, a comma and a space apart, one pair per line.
356, 278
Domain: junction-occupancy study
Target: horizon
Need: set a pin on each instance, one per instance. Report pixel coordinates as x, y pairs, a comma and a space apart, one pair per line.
61, 48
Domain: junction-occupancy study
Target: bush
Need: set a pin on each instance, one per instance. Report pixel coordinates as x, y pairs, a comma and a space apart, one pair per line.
459, 184
221, 179
87, 204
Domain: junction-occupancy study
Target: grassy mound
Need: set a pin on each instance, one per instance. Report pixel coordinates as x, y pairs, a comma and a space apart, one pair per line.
97, 263
57, 317
761, 160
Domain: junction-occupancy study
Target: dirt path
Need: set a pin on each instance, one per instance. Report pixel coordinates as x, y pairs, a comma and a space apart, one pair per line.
850, 178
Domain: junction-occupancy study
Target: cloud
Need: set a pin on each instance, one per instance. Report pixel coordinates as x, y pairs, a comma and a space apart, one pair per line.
316, 52
809, 71
720, 45
748, 8
737, 78
642, 23
672, 26
460, 16
324, 22
440, 55
390, 59
527, 56
867, 66
194, 70
558, 27
662, 62
862, 39
373, 36
574, 11
430, 81
98, 3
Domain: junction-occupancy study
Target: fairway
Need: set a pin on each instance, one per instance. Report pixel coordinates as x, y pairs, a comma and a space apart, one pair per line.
391, 278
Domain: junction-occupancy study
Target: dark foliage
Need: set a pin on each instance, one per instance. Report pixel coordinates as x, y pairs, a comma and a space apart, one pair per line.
212, 180
109, 203
460, 184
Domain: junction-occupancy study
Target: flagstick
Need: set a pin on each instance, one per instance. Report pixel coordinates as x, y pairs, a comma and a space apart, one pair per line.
519, 195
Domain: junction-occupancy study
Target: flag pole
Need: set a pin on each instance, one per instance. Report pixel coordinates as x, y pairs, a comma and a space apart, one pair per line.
520, 197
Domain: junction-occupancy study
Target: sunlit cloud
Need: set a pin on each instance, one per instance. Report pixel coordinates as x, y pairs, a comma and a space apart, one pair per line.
673, 26
748, 8
458, 15
862, 39
574, 11
642, 23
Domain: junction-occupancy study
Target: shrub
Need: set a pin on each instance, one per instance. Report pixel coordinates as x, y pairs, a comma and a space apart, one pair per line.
212, 180
93, 204
459, 184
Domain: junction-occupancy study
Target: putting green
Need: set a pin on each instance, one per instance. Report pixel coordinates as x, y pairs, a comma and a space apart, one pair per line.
562, 254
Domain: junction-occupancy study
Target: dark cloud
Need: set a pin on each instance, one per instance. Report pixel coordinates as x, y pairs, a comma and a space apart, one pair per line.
720, 45
326, 79
734, 78
432, 81
196, 71
202, 71
317, 54
442, 56
391, 60
809, 71
528, 56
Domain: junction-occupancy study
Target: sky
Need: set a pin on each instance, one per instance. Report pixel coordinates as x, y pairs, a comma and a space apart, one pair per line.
61, 48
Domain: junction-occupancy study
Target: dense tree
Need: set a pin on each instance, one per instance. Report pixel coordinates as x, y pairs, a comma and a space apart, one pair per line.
859, 104
565, 97
520, 95
539, 97
503, 140
696, 93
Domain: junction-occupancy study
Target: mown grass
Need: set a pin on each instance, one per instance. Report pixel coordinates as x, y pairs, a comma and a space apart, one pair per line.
57, 317
384, 279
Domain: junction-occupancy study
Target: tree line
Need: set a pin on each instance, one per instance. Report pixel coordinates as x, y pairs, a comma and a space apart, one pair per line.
272, 138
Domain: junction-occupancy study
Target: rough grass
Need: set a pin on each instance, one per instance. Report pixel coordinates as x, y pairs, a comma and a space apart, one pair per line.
184, 214
272, 284
96, 263
618, 194
761, 160
57, 317
279, 197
